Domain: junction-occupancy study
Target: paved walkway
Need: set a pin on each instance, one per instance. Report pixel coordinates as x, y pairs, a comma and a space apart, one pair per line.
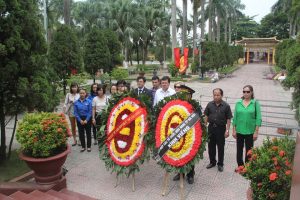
87, 173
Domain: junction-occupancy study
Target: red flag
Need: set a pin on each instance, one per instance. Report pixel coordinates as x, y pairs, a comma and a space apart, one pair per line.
186, 55
177, 57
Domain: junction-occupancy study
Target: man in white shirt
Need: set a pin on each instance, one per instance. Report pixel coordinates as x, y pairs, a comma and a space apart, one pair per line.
164, 91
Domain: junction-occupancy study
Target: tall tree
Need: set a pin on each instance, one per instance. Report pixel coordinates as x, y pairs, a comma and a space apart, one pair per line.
96, 54
67, 12
25, 80
174, 25
184, 24
64, 53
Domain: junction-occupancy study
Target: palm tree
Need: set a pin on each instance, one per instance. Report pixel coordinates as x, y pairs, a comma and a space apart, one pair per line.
67, 11
174, 25
196, 5
184, 24
203, 2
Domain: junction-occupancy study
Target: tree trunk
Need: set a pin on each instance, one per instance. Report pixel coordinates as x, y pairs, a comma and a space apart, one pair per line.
13, 135
225, 29
184, 25
229, 32
174, 32
210, 23
3, 136
203, 19
67, 10
218, 28
165, 54
195, 24
137, 54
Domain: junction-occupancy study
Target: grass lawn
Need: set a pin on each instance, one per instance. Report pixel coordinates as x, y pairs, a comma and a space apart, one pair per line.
12, 168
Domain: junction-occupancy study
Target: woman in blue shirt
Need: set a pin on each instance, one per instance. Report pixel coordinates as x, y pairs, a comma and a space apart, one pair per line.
83, 114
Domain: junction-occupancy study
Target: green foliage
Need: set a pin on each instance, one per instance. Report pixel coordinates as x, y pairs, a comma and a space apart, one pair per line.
42, 135
173, 70
96, 54
119, 74
274, 24
79, 78
64, 52
270, 169
114, 47
26, 82
245, 27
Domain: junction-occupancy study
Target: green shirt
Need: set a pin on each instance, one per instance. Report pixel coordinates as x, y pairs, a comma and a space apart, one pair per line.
247, 118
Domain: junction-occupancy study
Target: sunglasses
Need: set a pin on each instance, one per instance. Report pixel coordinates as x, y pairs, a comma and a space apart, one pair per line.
246, 92
176, 86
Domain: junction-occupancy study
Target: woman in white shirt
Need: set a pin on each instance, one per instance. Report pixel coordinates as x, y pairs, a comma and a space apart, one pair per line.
99, 104
68, 108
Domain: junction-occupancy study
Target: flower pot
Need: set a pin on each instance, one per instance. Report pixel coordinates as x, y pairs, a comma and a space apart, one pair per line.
47, 170
249, 194
142, 74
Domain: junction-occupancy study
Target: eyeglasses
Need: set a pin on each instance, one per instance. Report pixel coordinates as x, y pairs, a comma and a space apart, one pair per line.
176, 86
246, 92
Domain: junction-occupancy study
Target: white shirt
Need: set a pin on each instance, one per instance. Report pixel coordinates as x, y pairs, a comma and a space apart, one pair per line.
70, 99
99, 103
160, 94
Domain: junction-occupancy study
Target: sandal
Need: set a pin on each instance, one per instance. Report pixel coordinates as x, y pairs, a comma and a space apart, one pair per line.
82, 150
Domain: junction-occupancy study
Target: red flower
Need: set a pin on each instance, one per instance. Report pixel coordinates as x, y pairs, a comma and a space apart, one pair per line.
281, 153
287, 163
273, 176
277, 167
59, 130
275, 148
288, 172
249, 153
259, 185
275, 161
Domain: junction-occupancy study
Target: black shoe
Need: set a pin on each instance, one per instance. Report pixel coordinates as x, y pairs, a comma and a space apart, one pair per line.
176, 178
95, 142
210, 165
190, 179
220, 168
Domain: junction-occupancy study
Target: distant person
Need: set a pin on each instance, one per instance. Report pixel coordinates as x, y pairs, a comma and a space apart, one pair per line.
141, 89
177, 86
121, 84
99, 104
127, 87
246, 123
155, 86
93, 92
68, 108
113, 90
83, 114
218, 114
164, 91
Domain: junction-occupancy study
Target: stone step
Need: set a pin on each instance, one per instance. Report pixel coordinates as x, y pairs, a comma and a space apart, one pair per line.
43, 195
4, 197
62, 195
78, 195
20, 196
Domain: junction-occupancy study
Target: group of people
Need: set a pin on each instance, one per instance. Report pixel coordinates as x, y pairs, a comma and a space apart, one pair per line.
85, 110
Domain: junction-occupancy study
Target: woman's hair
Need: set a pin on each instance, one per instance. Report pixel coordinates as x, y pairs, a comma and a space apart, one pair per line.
251, 89
92, 92
74, 85
112, 86
101, 87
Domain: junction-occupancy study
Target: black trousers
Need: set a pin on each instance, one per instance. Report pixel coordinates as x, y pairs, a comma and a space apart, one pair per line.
85, 129
97, 127
192, 172
240, 141
216, 138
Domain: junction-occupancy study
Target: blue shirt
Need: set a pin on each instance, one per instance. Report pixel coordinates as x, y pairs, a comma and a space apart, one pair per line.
92, 96
83, 109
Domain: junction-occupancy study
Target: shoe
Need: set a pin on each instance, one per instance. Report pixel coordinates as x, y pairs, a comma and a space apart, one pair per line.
220, 168
95, 143
88, 149
210, 165
176, 178
82, 150
79, 144
190, 179
74, 144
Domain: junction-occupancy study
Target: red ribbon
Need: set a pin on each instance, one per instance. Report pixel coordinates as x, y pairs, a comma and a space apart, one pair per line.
135, 114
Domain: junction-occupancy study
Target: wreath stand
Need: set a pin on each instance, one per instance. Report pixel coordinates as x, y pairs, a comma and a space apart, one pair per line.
166, 185
133, 182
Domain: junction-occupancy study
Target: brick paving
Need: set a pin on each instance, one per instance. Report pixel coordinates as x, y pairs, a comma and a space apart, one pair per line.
87, 173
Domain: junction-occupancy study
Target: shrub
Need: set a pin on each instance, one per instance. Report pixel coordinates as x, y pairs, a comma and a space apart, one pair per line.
270, 169
119, 74
173, 70
43, 134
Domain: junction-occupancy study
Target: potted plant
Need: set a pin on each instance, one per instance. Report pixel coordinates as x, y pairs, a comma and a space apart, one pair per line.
270, 169
43, 138
141, 70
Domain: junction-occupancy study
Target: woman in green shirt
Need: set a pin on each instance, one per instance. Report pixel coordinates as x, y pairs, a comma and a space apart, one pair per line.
246, 122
